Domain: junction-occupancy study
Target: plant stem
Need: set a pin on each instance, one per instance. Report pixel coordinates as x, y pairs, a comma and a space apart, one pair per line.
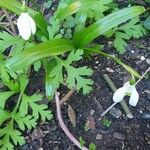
117, 60
122, 103
18, 103
63, 126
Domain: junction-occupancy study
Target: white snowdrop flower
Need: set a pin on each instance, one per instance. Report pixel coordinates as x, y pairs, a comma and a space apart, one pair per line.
26, 25
121, 92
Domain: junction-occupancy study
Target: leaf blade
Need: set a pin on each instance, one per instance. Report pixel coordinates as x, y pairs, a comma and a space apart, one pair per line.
85, 36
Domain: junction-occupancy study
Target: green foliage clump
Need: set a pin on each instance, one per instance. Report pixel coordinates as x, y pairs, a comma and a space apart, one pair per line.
79, 23
24, 115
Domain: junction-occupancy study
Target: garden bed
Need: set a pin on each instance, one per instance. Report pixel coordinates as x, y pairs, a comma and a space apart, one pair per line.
115, 131
123, 133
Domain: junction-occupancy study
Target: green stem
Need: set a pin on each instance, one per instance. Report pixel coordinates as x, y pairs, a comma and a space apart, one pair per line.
122, 103
18, 103
117, 60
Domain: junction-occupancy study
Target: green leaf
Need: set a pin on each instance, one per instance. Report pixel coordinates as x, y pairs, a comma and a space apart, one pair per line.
28, 121
16, 7
87, 35
37, 109
132, 29
32, 54
82, 142
147, 23
3, 97
92, 146
77, 80
119, 42
49, 87
74, 56
56, 74
77, 6
4, 115
37, 66
10, 133
23, 82
5, 143
16, 136
7, 40
76, 77
117, 60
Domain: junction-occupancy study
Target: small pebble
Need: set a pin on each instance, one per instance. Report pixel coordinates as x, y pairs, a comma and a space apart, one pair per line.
146, 116
92, 112
142, 58
116, 112
98, 137
132, 51
109, 70
119, 136
148, 61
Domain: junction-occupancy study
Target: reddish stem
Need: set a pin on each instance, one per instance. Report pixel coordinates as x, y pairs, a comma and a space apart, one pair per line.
63, 126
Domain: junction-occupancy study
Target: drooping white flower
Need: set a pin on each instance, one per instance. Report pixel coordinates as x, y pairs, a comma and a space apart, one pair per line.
26, 25
127, 88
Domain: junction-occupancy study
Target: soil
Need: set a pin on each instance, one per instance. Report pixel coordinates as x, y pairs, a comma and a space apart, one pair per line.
123, 133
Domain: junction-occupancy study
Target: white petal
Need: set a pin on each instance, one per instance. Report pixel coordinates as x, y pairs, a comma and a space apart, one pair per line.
32, 24
128, 87
119, 94
23, 26
134, 97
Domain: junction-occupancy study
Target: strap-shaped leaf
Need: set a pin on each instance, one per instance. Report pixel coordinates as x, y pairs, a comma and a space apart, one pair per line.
49, 87
80, 5
87, 35
16, 7
32, 54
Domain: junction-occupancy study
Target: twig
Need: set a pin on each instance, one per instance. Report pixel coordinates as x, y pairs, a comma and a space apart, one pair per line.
123, 103
66, 97
8, 30
63, 126
10, 21
143, 76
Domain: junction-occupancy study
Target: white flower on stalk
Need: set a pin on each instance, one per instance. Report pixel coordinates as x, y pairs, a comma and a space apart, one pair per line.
26, 25
121, 92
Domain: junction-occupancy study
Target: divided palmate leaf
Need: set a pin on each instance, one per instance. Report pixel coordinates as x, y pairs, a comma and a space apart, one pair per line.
76, 77
27, 121
7, 40
127, 31
38, 110
9, 134
4, 115
3, 97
